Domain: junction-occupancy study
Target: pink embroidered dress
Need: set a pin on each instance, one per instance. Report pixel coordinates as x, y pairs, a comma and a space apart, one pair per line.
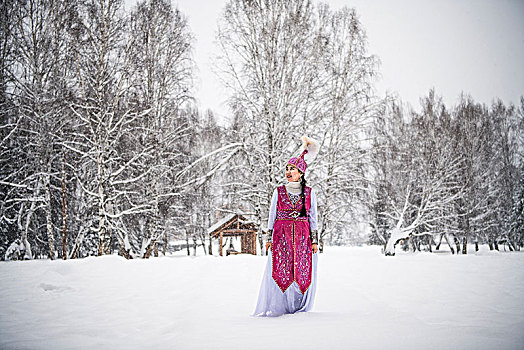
289, 281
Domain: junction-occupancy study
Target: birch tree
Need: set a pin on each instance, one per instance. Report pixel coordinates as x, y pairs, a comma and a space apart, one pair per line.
102, 72
504, 169
384, 134
97, 113
347, 71
516, 229
209, 136
8, 129
266, 48
516, 232
422, 186
475, 145
449, 175
162, 76
37, 74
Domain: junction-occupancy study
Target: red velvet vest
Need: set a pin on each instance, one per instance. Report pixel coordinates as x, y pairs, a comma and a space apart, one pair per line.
292, 255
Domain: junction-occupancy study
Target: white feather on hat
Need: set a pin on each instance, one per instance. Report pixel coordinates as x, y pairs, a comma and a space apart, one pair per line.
310, 145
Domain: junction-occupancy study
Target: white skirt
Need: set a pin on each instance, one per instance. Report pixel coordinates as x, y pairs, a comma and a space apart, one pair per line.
271, 300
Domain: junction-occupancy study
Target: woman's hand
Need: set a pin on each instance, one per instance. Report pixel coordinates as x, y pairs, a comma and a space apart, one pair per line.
314, 248
269, 245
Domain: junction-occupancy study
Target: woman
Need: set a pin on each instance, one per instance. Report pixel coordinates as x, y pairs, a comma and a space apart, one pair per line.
289, 281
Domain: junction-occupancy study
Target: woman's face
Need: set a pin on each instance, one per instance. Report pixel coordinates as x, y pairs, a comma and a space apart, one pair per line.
292, 173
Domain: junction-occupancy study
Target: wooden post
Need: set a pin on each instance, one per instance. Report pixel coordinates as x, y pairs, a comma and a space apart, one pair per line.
220, 243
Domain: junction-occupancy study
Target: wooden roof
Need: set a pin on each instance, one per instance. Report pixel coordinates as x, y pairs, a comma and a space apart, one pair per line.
232, 225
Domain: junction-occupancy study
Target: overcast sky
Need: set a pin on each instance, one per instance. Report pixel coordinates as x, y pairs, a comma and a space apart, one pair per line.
454, 46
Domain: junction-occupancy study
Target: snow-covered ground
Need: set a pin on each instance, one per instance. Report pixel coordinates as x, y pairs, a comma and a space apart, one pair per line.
364, 301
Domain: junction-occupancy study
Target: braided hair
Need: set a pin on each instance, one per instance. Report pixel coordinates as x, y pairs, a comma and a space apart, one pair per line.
303, 181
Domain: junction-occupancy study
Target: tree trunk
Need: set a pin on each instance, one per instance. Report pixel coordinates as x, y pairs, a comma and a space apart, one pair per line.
64, 213
464, 245
164, 248
104, 238
260, 234
187, 243
220, 247
49, 224
396, 235
149, 249
78, 243
512, 246
439, 242
448, 240
124, 249
457, 244
153, 230
104, 233
411, 243
203, 238
321, 235
194, 245
28, 254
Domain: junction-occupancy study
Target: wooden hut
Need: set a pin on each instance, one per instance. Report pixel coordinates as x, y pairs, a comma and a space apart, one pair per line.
236, 225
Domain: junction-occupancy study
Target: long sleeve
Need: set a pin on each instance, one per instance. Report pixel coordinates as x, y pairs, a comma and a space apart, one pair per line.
313, 222
272, 211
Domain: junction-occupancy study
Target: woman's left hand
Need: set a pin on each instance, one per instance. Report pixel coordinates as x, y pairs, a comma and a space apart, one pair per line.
314, 248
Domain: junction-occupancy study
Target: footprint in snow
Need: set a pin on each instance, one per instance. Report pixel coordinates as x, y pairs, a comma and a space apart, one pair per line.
52, 288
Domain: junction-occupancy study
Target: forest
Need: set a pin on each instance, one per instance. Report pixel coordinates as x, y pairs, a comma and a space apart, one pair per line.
105, 151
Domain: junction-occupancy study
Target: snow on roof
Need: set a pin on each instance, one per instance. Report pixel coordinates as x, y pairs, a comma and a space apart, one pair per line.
220, 223
223, 221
